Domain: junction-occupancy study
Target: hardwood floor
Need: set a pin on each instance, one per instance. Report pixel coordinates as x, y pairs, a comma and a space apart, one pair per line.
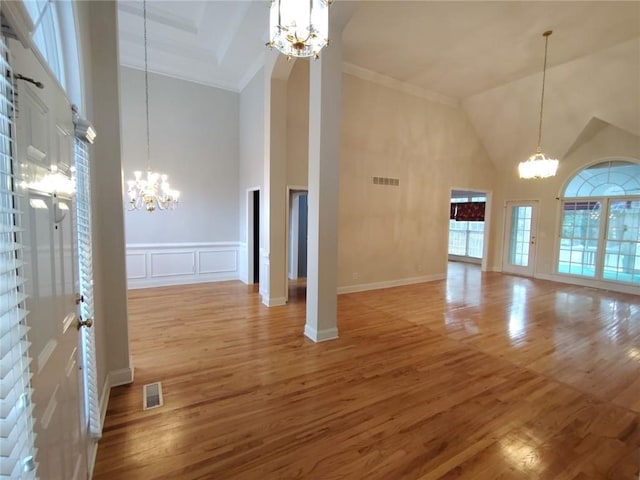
483, 376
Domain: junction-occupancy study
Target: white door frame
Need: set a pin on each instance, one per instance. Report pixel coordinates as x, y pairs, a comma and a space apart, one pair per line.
528, 271
484, 264
250, 234
291, 189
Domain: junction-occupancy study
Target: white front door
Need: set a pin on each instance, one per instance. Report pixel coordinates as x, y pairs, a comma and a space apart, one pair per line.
520, 238
45, 157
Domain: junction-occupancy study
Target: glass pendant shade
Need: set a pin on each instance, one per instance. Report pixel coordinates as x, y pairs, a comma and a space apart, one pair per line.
299, 28
538, 166
151, 192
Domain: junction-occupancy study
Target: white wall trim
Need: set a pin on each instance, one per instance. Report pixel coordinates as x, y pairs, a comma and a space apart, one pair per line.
363, 287
464, 259
243, 270
320, 335
273, 302
165, 264
392, 83
123, 376
93, 445
584, 282
104, 399
143, 246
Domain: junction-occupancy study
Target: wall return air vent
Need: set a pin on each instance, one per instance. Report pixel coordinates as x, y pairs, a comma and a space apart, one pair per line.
392, 182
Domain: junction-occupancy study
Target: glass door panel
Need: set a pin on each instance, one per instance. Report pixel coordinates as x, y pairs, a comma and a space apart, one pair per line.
579, 238
520, 235
622, 248
520, 238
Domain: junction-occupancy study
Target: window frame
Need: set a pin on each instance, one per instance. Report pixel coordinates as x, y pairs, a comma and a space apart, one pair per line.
605, 202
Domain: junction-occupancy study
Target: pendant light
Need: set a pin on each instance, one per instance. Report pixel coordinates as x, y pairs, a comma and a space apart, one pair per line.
153, 191
299, 28
539, 165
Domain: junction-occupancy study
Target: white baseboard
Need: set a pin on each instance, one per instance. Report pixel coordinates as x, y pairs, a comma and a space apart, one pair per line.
463, 259
320, 335
104, 399
93, 443
363, 287
123, 376
273, 302
583, 282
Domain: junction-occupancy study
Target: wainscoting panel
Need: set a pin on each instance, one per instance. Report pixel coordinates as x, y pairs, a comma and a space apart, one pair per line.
222, 261
136, 265
169, 264
156, 265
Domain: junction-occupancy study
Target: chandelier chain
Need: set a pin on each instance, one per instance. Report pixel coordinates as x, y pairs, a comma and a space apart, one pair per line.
153, 191
544, 75
146, 81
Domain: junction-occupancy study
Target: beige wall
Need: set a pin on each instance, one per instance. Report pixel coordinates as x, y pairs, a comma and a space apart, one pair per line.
389, 233
298, 124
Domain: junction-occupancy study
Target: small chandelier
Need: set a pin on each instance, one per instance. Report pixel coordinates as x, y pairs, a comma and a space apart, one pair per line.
539, 165
299, 28
153, 191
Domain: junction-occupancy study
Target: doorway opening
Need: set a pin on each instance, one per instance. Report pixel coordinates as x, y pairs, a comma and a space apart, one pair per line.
297, 224
469, 215
253, 236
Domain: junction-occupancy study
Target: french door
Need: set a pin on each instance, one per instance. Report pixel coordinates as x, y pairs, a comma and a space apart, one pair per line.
520, 238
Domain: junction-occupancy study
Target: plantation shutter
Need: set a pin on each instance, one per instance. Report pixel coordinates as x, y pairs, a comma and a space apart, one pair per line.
83, 222
17, 451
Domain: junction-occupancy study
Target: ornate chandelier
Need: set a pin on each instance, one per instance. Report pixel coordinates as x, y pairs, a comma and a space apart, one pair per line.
299, 28
153, 191
539, 165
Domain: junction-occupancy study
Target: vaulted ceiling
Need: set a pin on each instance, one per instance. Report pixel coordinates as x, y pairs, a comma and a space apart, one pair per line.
483, 55
451, 48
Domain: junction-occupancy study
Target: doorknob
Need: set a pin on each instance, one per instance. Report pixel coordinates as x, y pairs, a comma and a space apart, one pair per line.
79, 298
85, 323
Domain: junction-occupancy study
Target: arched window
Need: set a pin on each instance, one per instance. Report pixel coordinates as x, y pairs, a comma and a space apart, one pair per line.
600, 233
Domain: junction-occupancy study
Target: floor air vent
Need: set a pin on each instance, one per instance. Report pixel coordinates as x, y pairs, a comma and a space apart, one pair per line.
152, 394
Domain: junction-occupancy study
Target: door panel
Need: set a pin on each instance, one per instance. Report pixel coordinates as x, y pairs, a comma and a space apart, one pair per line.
520, 238
44, 152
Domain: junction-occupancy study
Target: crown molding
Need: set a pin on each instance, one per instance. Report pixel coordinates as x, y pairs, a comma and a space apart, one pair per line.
185, 78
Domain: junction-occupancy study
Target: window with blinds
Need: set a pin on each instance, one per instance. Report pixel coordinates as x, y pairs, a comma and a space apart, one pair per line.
85, 262
17, 450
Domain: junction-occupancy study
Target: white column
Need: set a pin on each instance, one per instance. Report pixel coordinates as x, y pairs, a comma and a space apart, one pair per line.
325, 112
